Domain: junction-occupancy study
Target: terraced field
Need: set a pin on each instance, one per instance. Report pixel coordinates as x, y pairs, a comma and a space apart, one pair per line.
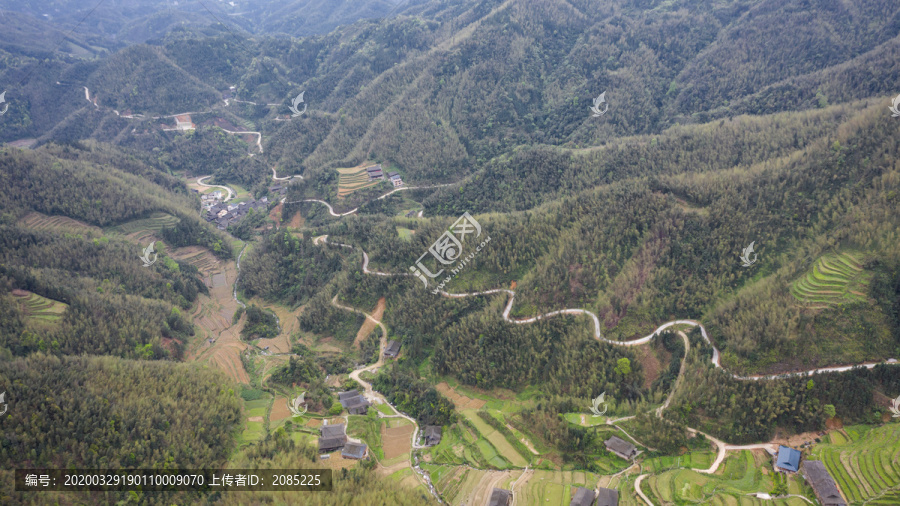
156, 222
40, 310
740, 478
833, 279
865, 464
353, 179
37, 221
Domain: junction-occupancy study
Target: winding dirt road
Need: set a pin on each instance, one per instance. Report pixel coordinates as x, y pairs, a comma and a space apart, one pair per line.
229, 190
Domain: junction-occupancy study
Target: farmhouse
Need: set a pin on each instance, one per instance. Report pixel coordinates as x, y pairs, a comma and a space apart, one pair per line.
333, 438
432, 435
392, 349
788, 460
582, 497
353, 402
621, 447
183, 122
375, 172
330, 444
395, 179
822, 483
333, 430
608, 497
354, 451
500, 497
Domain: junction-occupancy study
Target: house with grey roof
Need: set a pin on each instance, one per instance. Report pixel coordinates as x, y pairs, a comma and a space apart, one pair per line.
432, 435
330, 444
621, 447
500, 497
582, 497
392, 349
354, 451
607, 497
333, 430
822, 483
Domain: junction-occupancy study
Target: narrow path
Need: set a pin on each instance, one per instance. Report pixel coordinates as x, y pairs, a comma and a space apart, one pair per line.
229, 190
257, 134
238, 267
637, 488
276, 178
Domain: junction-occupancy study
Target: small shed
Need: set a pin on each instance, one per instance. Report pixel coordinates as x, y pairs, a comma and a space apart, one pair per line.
432, 435
392, 349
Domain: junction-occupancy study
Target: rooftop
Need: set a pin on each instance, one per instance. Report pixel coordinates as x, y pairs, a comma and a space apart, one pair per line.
788, 459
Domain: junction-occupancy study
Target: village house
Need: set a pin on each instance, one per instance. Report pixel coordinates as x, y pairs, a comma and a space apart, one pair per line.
353, 402
582, 497
183, 122
621, 447
432, 435
375, 172
354, 451
607, 497
333, 437
392, 349
395, 179
822, 483
224, 215
500, 497
788, 460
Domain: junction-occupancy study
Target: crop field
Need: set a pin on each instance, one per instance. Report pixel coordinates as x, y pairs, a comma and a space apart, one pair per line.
368, 429
463, 485
37, 221
864, 464
255, 415
397, 441
492, 444
833, 279
693, 460
553, 487
353, 179
740, 476
156, 222
40, 310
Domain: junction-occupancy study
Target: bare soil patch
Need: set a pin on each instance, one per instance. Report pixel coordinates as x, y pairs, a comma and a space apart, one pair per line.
460, 401
396, 441
280, 409
650, 362
314, 422
368, 325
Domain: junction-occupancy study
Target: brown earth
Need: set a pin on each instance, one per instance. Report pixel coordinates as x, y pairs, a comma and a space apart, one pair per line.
396, 441
280, 410
297, 221
314, 422
275, 214
255, 419
650, 362
368, 325
460, 401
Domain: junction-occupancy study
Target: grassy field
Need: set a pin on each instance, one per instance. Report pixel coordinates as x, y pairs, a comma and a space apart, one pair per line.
40, 310
353, 179
833, 279
864, 462
255, 413
37, 221
367, 428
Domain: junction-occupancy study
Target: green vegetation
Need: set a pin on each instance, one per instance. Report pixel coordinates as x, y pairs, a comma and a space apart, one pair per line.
40, 310
259, 324
833, 279
864, 466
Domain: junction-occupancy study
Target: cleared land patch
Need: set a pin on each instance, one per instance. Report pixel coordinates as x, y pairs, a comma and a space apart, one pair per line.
397, 441
156, 222
39, 310
353, 179
865, 467
37, 221
833, 279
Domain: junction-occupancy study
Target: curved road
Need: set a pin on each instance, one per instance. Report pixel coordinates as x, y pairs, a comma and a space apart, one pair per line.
230, 191
331, 209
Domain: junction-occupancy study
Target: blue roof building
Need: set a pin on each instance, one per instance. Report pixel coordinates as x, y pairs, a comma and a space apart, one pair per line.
788, 460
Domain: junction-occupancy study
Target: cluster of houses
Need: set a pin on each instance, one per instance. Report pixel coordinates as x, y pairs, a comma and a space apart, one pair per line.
376, 172
334, 437
787, 460
223, 214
